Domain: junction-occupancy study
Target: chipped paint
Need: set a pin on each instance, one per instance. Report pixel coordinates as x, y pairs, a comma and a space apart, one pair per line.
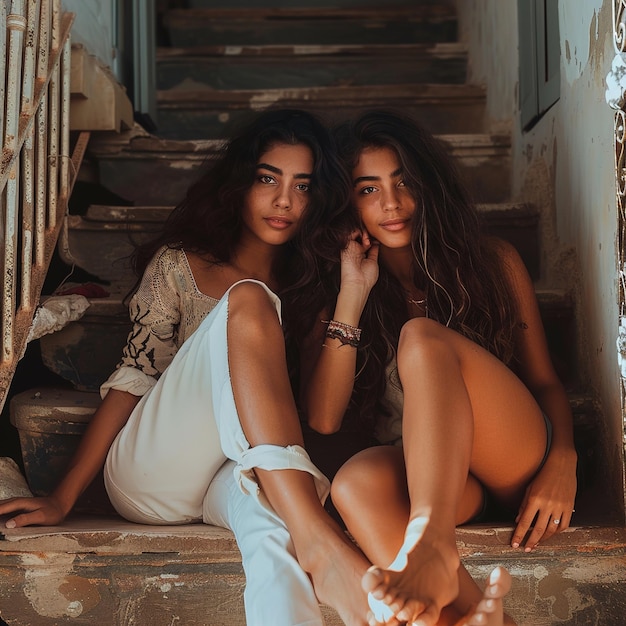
53, 590
37, 80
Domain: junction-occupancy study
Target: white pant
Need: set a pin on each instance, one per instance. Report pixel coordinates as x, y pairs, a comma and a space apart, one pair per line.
278, 590
163, 469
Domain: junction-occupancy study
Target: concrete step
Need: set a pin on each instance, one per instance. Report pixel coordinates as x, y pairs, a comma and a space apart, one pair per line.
275, 67
125, 162
209, 113
104, 570
302, 26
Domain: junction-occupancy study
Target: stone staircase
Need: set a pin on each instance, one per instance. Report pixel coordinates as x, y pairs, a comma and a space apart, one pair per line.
215, 66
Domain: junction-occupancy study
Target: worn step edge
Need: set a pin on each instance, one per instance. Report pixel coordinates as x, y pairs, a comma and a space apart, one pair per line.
417, 13
110, 217
113, 535
442, 51
148, 146
363, 95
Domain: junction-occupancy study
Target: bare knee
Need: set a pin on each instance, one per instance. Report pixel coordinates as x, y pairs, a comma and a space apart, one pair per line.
366, 476
423, 339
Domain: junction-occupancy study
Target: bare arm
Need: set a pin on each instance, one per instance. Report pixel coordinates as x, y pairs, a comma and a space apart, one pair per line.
553, 490
106, 423
328, 367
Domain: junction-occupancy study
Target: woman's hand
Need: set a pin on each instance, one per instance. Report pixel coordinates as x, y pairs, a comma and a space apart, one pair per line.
549, 502
46, 511
359, 263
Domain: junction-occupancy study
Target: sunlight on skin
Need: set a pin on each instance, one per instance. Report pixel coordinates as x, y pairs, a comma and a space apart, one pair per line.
381, 611
488, 612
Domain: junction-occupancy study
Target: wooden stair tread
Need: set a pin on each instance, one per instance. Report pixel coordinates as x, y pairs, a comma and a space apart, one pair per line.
438, 50
125, 162
150, 146
280, 66
365, 95
417, 12
122, 215
318, 25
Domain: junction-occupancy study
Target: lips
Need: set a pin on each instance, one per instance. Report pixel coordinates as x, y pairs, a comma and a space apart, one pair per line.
278, 222
394, 224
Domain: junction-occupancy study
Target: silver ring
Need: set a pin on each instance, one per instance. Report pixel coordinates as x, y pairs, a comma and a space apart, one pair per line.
556, 521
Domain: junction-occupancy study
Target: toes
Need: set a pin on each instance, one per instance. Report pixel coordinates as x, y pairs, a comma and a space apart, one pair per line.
380, 612
373, 580
499, 583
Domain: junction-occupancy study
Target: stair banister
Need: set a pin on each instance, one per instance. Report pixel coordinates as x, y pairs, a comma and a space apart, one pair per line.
36, 175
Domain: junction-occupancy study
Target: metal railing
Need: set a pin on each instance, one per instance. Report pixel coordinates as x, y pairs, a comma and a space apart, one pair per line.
36, 169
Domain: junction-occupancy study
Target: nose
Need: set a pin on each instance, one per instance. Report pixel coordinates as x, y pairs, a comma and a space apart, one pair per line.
391, 201
282, 199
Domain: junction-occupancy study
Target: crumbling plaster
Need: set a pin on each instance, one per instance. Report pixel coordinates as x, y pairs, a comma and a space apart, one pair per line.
564, 165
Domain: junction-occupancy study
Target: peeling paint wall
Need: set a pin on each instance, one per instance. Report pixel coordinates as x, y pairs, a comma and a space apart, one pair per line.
93, 26
565, 165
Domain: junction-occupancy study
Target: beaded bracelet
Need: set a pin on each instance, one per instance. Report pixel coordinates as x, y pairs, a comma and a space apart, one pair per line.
347, 335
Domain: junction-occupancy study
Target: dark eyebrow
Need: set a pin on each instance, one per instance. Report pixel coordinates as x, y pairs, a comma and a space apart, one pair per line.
276, 170
362, 179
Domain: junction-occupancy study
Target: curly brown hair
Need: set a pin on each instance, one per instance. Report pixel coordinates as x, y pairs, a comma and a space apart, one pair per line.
208, 219
453, 262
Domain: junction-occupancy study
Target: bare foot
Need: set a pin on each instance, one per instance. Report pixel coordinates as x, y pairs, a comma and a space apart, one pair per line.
336, 568
490, 610
422, 579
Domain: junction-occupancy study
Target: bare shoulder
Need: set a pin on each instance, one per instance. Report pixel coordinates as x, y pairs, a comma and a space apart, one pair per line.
506, 252
512, 264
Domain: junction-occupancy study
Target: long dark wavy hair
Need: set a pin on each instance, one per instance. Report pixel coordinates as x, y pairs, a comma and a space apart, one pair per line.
453, 262
208, 221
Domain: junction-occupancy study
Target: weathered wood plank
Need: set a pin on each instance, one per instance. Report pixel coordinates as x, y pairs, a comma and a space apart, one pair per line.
421, 23
273, 67
208, 113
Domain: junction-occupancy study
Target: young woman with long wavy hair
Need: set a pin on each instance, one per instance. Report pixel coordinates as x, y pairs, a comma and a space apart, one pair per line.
434, 345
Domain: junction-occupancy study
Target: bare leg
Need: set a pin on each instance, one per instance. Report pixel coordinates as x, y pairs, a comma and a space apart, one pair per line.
457, 419
428, 580
268, 416
378, 522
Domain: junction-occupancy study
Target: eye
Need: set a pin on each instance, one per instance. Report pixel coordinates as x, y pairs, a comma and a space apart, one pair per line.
266, 179
303, 187
367, 190
401, 183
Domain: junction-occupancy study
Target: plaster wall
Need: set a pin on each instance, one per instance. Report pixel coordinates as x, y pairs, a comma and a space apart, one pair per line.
93, 26
565, 165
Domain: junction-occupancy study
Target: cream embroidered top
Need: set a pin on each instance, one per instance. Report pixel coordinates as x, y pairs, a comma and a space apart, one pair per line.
165, 311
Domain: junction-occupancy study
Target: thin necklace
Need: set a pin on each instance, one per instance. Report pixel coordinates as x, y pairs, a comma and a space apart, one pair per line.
422, 303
